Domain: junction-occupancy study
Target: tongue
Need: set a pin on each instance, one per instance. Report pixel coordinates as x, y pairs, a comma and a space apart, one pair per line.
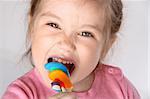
69, 67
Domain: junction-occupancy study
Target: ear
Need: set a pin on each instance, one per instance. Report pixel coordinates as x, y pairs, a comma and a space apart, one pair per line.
29, 34
29, 18
108, 46
113, 39
111, 42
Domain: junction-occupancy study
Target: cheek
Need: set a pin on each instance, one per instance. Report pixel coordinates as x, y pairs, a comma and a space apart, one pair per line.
37, 55
90, 54
89, 58
38, 51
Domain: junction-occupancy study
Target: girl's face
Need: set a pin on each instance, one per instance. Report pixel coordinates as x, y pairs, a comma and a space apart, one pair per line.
71, 30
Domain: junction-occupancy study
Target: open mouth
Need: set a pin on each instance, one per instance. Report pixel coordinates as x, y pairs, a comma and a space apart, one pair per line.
70, 65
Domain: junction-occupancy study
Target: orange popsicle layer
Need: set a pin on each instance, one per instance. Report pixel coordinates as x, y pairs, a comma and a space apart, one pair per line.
58, 74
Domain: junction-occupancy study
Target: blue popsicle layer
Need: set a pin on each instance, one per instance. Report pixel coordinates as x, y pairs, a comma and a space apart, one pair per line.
56, 66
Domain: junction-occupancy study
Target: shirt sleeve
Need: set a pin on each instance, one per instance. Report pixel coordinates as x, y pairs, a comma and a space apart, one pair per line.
125, 86
131, 90
15, 91
22, 88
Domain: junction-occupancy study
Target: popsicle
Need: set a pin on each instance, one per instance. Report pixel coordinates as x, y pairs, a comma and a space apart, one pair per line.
60, 77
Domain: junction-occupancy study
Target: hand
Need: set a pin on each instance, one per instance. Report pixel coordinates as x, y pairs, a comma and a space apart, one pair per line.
64, 95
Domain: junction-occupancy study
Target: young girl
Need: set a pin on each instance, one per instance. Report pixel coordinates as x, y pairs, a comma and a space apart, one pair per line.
79, 32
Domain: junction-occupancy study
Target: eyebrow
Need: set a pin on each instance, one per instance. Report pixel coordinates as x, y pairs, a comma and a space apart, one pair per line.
48, 14
92, 26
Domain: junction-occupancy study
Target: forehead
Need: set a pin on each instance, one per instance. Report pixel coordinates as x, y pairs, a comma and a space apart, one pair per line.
85, 10
76, 2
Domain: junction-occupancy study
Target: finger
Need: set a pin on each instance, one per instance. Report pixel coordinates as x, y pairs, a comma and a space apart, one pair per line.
64, 95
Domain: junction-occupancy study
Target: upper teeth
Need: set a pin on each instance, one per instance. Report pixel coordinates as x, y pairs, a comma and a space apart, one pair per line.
61, 61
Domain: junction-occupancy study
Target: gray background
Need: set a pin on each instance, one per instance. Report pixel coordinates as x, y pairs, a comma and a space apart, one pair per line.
130, 52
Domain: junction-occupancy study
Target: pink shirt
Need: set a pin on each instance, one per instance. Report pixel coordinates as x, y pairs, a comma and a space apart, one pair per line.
109, 83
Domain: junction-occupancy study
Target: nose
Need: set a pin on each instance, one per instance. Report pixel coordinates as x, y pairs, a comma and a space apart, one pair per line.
66, 43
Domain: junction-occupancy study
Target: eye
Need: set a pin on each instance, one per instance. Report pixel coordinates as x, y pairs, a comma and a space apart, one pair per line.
86, 34
53, 25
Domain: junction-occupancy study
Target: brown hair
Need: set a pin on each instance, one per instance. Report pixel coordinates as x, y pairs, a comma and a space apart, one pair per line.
113, 18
